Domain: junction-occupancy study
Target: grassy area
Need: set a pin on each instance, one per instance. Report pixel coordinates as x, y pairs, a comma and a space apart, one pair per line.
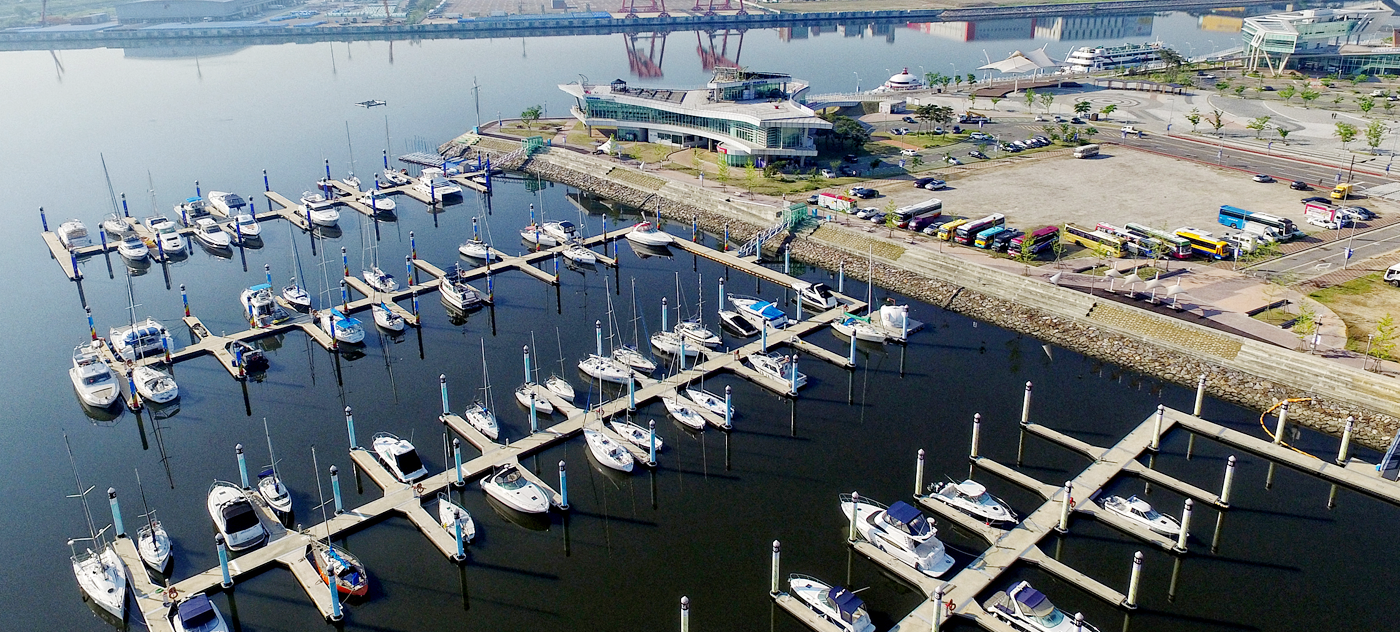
648, 152
519, 129
1361, 303
925, 140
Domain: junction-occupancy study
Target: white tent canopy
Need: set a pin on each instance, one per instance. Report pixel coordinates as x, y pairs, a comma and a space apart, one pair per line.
1020, 63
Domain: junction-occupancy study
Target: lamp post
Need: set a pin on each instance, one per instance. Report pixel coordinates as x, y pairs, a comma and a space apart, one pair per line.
857, 81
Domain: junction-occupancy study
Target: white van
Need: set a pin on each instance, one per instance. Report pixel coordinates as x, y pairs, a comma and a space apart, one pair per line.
1392, 275
1265, 234
1245, 243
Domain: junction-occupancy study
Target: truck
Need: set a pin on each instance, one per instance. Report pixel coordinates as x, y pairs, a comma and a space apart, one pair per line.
1392, 275
836, 202
1343, 190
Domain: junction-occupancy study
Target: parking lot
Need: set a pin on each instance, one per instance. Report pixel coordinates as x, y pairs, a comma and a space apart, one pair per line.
1120, 185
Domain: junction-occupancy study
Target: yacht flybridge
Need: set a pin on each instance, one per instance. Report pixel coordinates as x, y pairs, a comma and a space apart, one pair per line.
834, 603
1028, 609
900, 530
92, 378
399, 457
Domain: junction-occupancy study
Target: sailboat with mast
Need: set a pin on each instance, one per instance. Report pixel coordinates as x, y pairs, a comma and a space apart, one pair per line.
479, 414
528, 392
294, 294
605, 367
475, 248
336, 566
556, 382
396, 178
152, 541
376, 277
100, 574
694, 327
270, 485
137, 339
631, 355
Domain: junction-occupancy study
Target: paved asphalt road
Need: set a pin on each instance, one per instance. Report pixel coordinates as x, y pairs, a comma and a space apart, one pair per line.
1282, 169
1329, 257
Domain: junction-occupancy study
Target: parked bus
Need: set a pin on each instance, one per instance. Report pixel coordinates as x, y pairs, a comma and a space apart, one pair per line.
945, 232
931, 206
967, 233
1205, 243
1133, 244
984, 238
1104, 244
1039, 239
1285, 227
1233, 217
1177, 247
1086, 151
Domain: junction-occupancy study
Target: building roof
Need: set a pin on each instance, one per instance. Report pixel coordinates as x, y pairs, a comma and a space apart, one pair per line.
700, 102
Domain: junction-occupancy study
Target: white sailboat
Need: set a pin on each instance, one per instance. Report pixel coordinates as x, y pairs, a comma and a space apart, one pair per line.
270, 485
92, 378
556, 382
604, 367
152, 540
373, 275
578, 253
682, 411
607, 451
294, 294
705, 399
630, 355
526, 392
479, 414
343, 328
638, 435
100, 574
386, 318
154, 385
694, 328
507, 485
475, 248
674, 344
137, 339
451, 515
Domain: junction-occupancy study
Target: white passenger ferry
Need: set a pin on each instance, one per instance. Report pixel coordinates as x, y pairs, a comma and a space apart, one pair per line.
1094, 58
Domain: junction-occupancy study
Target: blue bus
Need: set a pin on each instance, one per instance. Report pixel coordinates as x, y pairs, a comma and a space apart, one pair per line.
1234, 217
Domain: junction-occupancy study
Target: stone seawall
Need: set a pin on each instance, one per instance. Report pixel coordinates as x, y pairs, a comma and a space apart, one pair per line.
1065, 320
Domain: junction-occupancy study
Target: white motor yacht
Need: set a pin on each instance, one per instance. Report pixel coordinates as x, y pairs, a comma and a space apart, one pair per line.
322, 211
431, 182
451, 515
535, 234
818, 295
759, 311
341, 327
639, 436
226, 204
605, 368
647, 234
92, 378
399, 457
527, 391
834, 603
1139, 511
244, 227
779, 368
260, 307
577, 253
135, 341
697, 333
387, 318
476, 249
132, 248
252, 358
272, 490
456, 292
737, 324
972, 498
1028, 609
154, 385
72, 234
561, 387
379, 202
859, 327
707, 400
507, 485
168, 239
682, 411
672, 343
562, 232
397, 178
607, 451
295, 296
633, 358
902, 531
379, 279
198, 614
481, 418
191, 210
234, 516
207, 231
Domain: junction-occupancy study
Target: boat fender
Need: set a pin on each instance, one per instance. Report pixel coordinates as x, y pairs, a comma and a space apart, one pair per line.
172, 593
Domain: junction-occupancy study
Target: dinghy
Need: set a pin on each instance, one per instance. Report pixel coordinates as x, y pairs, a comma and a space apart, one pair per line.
607, 451
399, 457
507, 485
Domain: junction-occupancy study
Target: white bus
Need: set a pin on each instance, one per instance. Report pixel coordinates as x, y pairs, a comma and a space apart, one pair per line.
1086, 151
915, 211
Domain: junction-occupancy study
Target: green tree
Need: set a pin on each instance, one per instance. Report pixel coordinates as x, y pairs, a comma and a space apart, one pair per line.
1383, 345
1030, 98
1360, 78
1107, 110
995, 100
750, 176
944, 81
1194, 116
722, 170
931, 78
1339, 98
924, 114
957, 81
1387, 104
1346, 132
849, 131
1366, 103
971, 101
1216, 120
1282, 133
891, 220
1090, 131
1239, 90
1308, 96
971, 79
1082, 107
1373, 133
1172, 58
1258, 124
1288, 92
531, 114
1046, 100
1222, 86
1024, 255
1305, 323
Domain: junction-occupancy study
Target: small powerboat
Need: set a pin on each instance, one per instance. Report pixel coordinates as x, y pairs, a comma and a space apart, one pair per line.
534, 233
399, 457
561, 387
818, 295
971, 498
476, 249
191, 210
132, 248
260, 308
683, 412
638, 435
607, 451
198, 614
321, 210
272, 490
379, 202
252, 357
341, 327
858, 327
481, 418
456, 292
779, 368
605, 368
234, 516
697, 333
92, 378
72, 234
154, 385
526, 392
207, 231
169, 241
387, 318
647, 234
226, 204
1026, 608
707, 400
577, 253
507, 485
295, 296
674, 344
1139, 511
737, 324
633, 358
902, 531
759, 311
451, 515
397, 178
562, 232
244, 228
833, 603
379, 279
335, 563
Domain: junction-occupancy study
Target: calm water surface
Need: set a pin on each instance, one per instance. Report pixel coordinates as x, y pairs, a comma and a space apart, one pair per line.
702, 524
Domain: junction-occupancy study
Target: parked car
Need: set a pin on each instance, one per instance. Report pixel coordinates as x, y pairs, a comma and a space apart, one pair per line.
1263, 177
878, 218
939, 131
896, 131
848, 171
957, 129
977, 154
848, 158
932, 227
934, 185
866, 212
1365, 213
908, 152
979, 136
920, 182
812, 199
952, 160
910, 119
1042, 139
1318, 200
865, 194
1077, 121
1323, 223
827, 173
1059, 119
1299, 185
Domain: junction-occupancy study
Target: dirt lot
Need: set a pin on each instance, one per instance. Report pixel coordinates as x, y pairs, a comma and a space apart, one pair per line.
1361, 303
1119, 186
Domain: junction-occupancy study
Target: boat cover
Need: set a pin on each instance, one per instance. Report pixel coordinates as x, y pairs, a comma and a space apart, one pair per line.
908, 518
196, 611
239, 516
971, 488
267, 473
1035, 601
408, 461
567, 226
847, 603
260, 287
769, 311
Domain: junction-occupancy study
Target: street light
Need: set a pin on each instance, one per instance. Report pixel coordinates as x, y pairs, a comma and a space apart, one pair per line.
857, 81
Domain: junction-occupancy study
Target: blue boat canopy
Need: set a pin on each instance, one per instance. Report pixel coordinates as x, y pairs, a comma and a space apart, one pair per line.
196, 611
260, 286
267, 473
907, 517
1035, 601
195, 199
769, 311
847, 603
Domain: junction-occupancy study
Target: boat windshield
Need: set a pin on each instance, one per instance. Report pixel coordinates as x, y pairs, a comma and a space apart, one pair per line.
1049, 621
986, 500
512, 481
409, 462
97, 379
239, 516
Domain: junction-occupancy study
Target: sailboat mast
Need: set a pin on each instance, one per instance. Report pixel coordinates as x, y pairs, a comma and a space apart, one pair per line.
560, 342
700, 307
636, 338
536, 349
486, 377
92, 529
150, 522
110, 192
270, 456
324, 520
350, 147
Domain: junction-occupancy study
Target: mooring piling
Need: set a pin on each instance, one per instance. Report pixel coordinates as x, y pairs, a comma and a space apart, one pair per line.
223, 561
773, 579
117, 526
1282, 423
563, 488
350, 427
1185, 526
335, 490
1229, 481
1346, 440
242, 466
1025, 403
977, 433
1200, 395
1131, 602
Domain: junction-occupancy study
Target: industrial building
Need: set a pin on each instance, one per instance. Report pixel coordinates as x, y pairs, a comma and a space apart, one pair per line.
163, 11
